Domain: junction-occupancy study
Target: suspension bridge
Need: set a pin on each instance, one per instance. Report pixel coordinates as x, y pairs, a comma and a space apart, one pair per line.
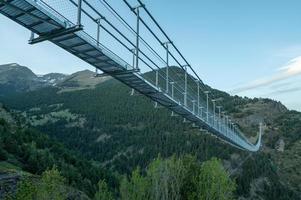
99, 34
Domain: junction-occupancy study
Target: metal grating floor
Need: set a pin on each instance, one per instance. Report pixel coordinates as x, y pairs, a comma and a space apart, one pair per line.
44, 22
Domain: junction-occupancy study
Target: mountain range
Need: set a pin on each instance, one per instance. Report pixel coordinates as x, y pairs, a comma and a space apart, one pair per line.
97, 118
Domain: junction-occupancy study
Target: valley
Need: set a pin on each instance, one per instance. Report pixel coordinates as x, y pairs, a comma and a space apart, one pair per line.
97, 119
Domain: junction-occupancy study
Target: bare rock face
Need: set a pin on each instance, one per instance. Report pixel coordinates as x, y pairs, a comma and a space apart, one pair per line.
81, 80
262, 110
280, 145
8, 183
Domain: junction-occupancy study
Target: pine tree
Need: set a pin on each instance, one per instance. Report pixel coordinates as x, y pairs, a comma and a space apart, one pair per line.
51, 186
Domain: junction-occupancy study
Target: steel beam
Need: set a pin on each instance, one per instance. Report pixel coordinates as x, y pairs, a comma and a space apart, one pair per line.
55, 34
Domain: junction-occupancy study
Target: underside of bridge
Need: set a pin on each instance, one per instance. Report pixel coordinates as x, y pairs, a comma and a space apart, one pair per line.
48, 24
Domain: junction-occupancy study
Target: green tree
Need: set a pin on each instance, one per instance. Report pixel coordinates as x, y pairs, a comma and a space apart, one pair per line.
125, 189
190, 183
214, 182
25, 190
136, 188
103, 192
3, 153
51, 186
166, 178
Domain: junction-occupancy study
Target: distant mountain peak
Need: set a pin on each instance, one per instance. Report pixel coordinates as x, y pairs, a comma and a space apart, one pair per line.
15, 71
84, 79
14, 64
18, 78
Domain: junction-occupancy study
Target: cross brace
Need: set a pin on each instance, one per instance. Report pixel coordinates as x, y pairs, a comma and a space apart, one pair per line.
55, 34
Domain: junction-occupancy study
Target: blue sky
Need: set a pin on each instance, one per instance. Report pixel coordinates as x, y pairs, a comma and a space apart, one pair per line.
249, 48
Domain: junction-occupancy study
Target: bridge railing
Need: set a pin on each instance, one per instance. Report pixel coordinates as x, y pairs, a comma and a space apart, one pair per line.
144, 44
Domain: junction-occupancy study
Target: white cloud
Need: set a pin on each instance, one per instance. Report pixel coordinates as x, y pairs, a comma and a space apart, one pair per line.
289, 52
284, 91
291, 69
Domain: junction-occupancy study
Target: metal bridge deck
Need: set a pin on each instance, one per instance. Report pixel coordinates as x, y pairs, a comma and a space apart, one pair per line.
49, 25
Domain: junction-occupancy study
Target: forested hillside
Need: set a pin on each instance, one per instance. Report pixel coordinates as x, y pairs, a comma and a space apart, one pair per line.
116, 132
32, 166
25, 152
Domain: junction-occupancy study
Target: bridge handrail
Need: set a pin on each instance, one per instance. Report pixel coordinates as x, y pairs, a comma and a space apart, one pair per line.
85, 35
216, 123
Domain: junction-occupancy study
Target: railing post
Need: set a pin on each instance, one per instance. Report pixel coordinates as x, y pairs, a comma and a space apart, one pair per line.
133, 51
172, 95
226, 127
167, 65
229, 127
133, 62
172, 89
98, 30
223, 121
219, 117
201, 114
213, 101
79, 12
185, 87
207, 97
228, 122
225, 124
198, 83
97, 38
157, 85
193, 106
137, 35
157, 78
